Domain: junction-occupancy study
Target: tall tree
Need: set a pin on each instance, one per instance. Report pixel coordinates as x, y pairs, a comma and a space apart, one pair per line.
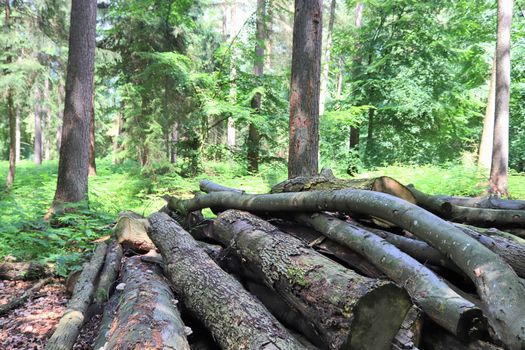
485, 146
38, 127
92, 165
500, 151
254, 138
305, 88
72, 184
327, 56
10, 112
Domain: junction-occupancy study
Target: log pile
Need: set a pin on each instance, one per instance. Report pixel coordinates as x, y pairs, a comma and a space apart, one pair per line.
319, 263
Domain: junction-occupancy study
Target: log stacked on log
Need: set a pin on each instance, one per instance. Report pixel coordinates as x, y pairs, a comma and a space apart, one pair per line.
312, 270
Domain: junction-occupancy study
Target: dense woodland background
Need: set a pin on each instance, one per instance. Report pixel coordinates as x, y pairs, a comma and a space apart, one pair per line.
197, 88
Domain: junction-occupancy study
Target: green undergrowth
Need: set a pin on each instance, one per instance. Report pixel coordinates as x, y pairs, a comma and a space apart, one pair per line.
24, 234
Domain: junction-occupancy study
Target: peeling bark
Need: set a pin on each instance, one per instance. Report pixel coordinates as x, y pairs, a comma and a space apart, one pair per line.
409, 335
347, 310
235, 318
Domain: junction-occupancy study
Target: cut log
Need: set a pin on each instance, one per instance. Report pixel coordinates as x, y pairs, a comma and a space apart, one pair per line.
146, 315
20, 300
486, 202
130, 233
510, 250
69, 326
382, 184
236, 319
107, 319
330, 248
409, 334
209, 186
347, 310
23, 271
109, 274
473, 216
496, 282
448, 309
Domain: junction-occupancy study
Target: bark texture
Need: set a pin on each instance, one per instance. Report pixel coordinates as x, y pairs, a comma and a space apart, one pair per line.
130, 232
146, 316
428, 291
326, 61
235, 318
109, 273
343, 307
500, 150
69, 326
409, 334
72, 184
305, 88
497, 284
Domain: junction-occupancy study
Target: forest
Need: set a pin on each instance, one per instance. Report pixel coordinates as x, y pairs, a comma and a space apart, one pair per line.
262, 174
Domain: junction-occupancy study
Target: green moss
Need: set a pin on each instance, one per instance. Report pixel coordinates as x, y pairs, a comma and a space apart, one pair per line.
296, 276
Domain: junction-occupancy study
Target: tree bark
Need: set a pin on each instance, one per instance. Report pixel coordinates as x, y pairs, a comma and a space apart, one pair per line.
327, 57
60, 116
72, 184
254, 138
428, 291
409, 334
487, 202
109, 274
304, 90
500, 152
92, 165
235, 318
12, 138
497, 284
38, 128
46, 111
487, 136
310, 283
146, 316
69, 326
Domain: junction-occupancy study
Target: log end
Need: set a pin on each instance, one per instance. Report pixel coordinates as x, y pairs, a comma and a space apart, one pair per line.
472, 325
368, 331
386, 184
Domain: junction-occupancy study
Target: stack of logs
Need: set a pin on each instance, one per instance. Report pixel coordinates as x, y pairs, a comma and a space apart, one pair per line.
319, 263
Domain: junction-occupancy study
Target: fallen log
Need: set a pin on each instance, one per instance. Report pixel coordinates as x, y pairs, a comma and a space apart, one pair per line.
109, 274
209, 186
485, 202
473, 216
130, 233
383, 184
146, 316
69, 326
236, 319
23, 271
20, 300
409, 335
436, 338
497, 284
347, 310
448, 309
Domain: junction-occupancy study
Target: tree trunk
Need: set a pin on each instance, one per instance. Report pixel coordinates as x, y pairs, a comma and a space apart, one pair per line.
310, 283
500, 152
73, 166
38, 128
109, 273
47, 122
92, 164
17, 134
304, 90
339, 87
487, 202
409, 335
326, 61
146, 315
254, 138
370, 133
235, 318
497, 284
60, 116
69, 326
12, 138
485, 146
428, 291
116, 145
354, 137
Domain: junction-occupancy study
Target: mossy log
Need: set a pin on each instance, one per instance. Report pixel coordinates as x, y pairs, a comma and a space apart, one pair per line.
130, 233
486, 202
146, 316
109, 273
473, 216
456, 314
236, 319
384, 184
348, 311
69, 326
496, 282
409, 335
23, 271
